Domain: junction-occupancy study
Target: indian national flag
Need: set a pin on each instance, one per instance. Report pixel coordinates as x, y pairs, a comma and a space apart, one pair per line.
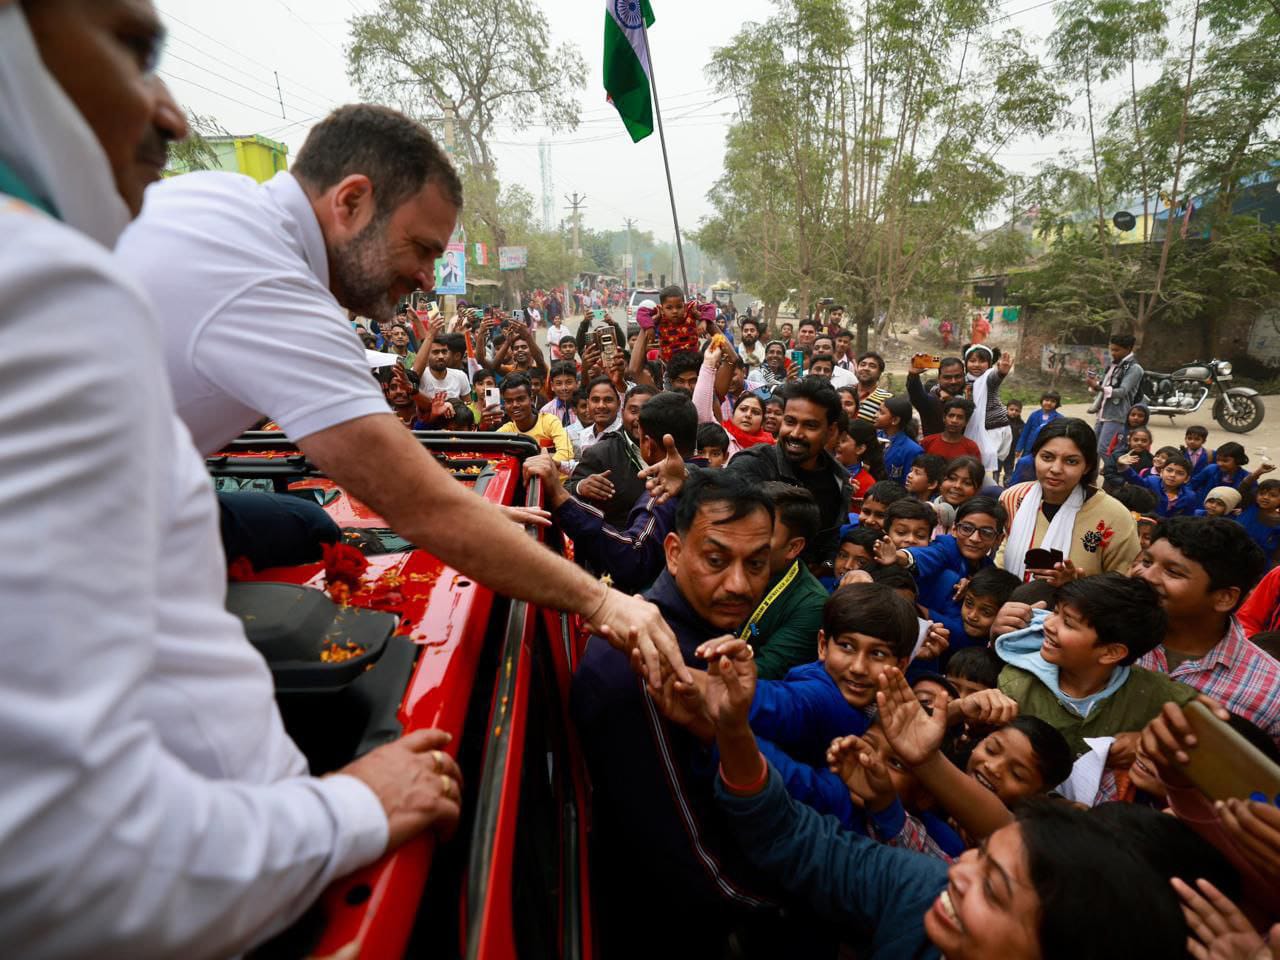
626, 63
482, 255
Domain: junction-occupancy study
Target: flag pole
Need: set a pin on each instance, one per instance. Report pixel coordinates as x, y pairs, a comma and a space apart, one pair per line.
662, 137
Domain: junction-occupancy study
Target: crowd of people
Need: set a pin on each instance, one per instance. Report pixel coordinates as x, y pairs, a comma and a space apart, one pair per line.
893, 674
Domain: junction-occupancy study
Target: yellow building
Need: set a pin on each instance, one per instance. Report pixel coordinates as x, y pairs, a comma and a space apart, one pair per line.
254, 155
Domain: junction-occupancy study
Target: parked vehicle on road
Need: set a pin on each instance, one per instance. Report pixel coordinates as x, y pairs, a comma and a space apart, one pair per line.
637, 297
1185, 390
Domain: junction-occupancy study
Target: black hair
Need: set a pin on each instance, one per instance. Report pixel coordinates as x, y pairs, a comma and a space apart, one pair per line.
1036, 591
1079, 433
463, 418
1125, 340
822, 357
899, 408
970, 465
1172, 848
994, 583
483, 374
865, 537
674, 413
1252, 732
600, 381
795, 508
1222, 547
1178, 460
872, 355
909, 508
988, 505
580, 395
933, 466
1052, 752
1141, 429
950, 362
1053, 395
807, 322
978, 664
1098, 898
1268, 641
719, 486
683, 362
1233, 450
1272, 484
1196, 430
669, 291
565, 368
413, 376
640, 390
899, 578
456, 342
514, 381
885, 491
818, 391
396, 153
1168, 451
566, 339
864, 432
712, 435
929, 675
1135, 498
751, 320
875, 609
1123, 610
960, 403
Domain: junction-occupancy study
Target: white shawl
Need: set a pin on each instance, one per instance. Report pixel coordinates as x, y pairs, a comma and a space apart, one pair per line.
1023, 530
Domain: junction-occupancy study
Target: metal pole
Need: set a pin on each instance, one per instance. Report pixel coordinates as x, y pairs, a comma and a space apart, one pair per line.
662, 137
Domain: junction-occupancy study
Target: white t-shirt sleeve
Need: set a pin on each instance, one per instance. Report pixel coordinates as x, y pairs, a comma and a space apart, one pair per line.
109, 844
283, 349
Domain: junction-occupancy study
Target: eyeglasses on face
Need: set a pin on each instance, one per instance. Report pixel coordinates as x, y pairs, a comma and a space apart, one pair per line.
967, 530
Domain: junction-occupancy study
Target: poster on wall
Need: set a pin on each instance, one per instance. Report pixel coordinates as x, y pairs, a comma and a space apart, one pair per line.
451, 271
513, 258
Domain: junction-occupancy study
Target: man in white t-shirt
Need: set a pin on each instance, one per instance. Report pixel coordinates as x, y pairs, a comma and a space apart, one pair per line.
253, 282
154, 805
438, 377
555, 333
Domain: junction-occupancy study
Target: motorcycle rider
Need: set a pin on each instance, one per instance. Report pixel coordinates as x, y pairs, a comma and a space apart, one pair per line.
1117, 389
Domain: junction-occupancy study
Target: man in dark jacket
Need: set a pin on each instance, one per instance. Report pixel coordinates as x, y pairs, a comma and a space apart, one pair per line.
661, 862
606, 474
800, 458
632, 555
929, 403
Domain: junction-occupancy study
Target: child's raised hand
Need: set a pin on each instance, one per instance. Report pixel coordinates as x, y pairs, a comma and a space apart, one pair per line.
731, 681
1058, 574
858, 764
855, 576
1127, 459
886, 552
989, 708
1219, 930
914, 735
935, 642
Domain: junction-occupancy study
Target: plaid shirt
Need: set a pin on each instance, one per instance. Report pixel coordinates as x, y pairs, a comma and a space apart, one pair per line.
1235, 673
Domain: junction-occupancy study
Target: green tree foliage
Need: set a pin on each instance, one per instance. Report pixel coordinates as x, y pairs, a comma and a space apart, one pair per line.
1200, 130
469, 67
195, 152
862, 159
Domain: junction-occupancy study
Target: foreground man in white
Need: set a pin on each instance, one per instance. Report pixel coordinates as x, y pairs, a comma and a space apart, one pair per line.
153, 805
252, 284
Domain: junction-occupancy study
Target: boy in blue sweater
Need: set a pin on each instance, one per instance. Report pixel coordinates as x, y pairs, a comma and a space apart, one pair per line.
891, 421
1174, 496
1050, 400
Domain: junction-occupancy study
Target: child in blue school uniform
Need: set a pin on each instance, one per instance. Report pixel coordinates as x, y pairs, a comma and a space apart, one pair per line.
900, 454
1195, 450
1227, 470
1174, 498
1261, 519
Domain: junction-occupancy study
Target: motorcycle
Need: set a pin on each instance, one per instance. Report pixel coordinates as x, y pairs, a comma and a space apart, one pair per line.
1237, 409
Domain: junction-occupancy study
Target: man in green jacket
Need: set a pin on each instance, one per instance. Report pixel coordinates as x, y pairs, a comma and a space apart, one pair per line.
783, 630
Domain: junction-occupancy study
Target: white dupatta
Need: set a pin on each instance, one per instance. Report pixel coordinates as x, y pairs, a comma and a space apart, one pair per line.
1023, 530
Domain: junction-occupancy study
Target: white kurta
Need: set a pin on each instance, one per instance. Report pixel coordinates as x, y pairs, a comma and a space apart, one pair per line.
153, 804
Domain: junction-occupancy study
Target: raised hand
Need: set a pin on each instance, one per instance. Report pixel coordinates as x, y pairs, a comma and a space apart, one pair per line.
914, 735
1219, 931
731, 681
886, 553
544, 467
633, 623
935, 642
1061, 573
1013, 616
989, 708
666, 478
858, 764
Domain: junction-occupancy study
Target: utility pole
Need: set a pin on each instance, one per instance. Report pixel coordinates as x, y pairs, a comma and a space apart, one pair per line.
631, 263
577, 203
450, 143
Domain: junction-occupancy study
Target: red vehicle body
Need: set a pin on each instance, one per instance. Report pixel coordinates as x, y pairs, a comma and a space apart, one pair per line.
493, 672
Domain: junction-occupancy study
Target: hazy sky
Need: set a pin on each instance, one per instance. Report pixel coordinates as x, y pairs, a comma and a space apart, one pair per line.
222, 60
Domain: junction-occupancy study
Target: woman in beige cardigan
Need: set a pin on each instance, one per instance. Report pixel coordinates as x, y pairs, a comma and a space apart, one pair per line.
1063, 510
